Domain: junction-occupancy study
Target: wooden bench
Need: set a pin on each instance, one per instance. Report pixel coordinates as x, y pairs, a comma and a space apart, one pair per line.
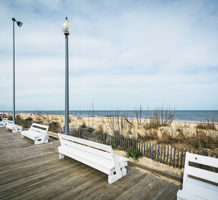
199, 183
3, 122
93, 154
12, 126
37, 132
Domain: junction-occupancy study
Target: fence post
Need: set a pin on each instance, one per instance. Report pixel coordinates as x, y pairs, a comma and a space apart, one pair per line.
181, 158
147, 149
155, 152
167, 153
150, 149
177, 165
161, 153
105, 138
164, 153
171, 151
174, 156
144, 148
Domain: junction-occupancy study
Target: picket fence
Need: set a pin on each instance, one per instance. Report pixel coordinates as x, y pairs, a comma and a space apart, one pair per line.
163, 153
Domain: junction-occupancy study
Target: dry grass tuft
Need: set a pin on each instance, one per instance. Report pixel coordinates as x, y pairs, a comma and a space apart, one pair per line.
209, 125
148, 135
160, 117
120, 125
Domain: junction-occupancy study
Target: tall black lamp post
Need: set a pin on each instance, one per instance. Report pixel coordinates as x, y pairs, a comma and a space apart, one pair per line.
66, 31
19, 24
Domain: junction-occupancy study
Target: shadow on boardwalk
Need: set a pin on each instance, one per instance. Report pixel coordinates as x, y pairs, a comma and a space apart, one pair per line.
29, 171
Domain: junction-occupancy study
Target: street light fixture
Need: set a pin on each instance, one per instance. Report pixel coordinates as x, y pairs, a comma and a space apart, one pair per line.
19, 23
66, 31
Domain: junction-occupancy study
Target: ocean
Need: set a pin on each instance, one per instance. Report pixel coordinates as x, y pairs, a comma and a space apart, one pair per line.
180, 115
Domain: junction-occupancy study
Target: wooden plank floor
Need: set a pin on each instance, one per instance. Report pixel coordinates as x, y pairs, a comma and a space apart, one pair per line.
29, 171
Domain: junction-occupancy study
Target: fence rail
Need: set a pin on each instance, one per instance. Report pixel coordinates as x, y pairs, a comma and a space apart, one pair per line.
166, 154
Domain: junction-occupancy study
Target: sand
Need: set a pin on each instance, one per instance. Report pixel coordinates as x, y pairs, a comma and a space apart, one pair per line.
129, 128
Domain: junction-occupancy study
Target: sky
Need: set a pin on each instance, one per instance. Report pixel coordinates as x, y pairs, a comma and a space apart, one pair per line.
123, 54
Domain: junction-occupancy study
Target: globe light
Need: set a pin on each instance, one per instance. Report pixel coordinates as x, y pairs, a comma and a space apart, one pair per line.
66, 27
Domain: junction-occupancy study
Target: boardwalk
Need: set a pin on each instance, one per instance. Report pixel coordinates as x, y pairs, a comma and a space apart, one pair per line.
29, 171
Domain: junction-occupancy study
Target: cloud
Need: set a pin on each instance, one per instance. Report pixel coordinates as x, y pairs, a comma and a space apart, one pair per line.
122, 54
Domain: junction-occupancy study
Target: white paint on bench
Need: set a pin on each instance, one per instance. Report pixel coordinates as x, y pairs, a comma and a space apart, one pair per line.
12, 126
93, 154
199, 183
37, 132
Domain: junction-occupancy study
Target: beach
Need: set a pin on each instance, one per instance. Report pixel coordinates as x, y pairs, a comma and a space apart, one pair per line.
177, 134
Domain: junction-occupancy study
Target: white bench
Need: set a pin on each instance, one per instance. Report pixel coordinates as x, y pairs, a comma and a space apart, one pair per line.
199, 183
37, 132
93, 154
12, 126
3, 122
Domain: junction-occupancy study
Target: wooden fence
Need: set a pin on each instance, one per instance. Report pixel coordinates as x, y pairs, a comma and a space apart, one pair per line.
162, 153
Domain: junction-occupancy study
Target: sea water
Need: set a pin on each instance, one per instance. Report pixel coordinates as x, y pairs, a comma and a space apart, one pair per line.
180, 115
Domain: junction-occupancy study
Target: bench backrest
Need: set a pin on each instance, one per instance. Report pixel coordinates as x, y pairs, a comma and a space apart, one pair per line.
191, 172
40, 128
86, 145
5, 120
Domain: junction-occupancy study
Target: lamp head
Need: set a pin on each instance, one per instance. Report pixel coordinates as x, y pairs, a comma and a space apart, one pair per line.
19, 23
66, 27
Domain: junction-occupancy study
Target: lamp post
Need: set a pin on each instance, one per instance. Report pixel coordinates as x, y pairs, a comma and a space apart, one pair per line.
19, 24
66, 31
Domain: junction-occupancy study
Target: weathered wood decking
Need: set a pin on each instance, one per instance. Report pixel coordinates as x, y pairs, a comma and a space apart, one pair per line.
29, 171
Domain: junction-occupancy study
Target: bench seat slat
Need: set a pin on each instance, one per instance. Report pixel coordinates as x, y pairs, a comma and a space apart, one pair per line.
200, 186
203, 174
32, 135
196, 190
80, 158
12, 126
190, 195
95, 158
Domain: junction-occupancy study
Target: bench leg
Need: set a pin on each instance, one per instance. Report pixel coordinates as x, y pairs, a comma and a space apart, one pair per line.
112, 178
61, 155
179, 196
46, 140
37, 142
124, 171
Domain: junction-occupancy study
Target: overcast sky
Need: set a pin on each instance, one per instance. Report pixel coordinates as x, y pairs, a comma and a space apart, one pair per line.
123, 54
